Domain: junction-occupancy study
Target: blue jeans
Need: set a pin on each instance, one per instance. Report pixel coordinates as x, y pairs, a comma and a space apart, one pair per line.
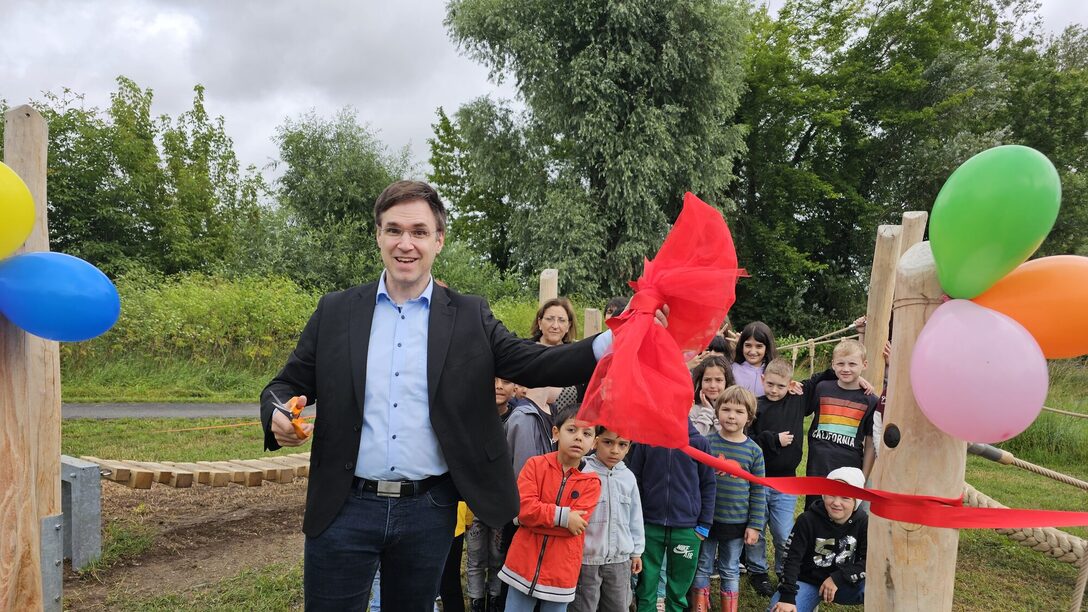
808, 596
516, 601
409, 536
780, 509
728, 553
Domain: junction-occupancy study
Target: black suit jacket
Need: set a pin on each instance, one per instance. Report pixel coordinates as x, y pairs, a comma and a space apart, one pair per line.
466, 348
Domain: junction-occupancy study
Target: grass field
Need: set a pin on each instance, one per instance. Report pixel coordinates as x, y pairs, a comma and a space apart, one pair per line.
992, 573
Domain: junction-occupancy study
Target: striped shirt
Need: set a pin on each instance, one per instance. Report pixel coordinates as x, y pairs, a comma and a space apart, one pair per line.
739, 502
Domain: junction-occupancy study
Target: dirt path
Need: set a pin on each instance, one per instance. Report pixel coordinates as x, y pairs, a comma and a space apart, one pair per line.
201, 535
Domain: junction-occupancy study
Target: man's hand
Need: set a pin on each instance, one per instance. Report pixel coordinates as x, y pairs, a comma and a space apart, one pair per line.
828, 590
285, 432
751, 536
636, 565
575, 523
784, 607
785, 438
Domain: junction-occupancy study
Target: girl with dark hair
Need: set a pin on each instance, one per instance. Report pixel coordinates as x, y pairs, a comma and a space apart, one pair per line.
711, 377
755, 349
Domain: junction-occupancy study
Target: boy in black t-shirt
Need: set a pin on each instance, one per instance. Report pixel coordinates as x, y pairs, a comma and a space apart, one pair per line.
841, 434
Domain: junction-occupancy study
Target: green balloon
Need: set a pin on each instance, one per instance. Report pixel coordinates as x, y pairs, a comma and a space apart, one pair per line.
990, 216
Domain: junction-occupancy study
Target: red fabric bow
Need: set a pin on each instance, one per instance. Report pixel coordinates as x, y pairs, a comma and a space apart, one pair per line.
642, 390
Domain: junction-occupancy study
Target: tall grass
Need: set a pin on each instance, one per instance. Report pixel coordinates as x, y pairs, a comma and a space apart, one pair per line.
1058, 438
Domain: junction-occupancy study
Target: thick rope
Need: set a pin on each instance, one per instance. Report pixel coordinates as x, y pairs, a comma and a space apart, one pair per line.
1038, 469
1066, 412
806, 343
1005, 457
1054, 542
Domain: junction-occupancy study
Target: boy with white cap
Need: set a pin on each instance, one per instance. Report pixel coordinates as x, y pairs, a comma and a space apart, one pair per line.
825, 554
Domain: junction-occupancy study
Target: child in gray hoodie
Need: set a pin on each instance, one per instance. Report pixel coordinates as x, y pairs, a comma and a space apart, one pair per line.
615, 537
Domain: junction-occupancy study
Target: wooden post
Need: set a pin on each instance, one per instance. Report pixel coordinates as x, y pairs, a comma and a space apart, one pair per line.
549, 285
594, 323
811, 358
914, 229
878, 314
29, 397
911, 567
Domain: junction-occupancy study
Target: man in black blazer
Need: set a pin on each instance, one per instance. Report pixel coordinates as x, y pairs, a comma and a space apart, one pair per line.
404, 373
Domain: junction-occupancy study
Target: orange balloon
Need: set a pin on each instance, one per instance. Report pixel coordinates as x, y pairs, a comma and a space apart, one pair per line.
1049, 297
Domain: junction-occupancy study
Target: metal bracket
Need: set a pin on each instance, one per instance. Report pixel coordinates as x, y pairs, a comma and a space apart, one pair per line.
81, 502
52, 562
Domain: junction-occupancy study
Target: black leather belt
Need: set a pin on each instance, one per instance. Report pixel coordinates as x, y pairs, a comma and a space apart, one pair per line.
397, 488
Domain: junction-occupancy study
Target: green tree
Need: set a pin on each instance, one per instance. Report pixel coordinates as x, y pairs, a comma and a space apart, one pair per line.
1046, 110
321, 232
334, 168
628, 106
478, 197
858, 110
207, 194
131, 190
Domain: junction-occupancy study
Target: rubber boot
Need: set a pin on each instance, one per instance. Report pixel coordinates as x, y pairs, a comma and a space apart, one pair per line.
699, 599
730, 600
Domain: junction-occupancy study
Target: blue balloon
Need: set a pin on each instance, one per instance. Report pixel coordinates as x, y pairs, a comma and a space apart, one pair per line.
57, 296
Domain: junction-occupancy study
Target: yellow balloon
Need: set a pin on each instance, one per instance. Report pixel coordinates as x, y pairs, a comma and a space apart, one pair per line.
16, 211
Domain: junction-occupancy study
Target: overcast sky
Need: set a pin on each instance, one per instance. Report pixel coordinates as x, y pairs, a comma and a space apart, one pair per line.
262, 61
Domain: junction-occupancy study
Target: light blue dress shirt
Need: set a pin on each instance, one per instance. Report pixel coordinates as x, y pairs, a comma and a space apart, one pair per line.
398, 442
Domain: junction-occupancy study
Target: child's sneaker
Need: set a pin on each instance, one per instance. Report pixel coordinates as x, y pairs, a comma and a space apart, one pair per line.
761, 583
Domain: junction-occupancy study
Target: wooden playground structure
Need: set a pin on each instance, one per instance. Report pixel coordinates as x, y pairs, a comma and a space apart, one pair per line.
910, 566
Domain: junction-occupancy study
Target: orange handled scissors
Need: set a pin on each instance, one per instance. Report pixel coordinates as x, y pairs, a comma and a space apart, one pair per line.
293, 410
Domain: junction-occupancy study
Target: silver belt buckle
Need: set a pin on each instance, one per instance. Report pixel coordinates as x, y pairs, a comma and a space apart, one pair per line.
389, 488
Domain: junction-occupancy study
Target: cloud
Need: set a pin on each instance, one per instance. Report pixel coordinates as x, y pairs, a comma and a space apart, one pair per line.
262, 61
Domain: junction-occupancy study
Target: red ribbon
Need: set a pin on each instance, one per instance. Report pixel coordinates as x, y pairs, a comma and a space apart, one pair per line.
643, 391
920, 509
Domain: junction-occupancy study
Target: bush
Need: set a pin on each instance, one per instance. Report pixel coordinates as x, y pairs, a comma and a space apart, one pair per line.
249, 322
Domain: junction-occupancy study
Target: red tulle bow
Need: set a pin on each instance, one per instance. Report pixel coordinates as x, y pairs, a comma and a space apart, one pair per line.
642, 390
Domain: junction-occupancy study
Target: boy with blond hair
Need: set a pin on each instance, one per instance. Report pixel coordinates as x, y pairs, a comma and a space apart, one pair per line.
841, 433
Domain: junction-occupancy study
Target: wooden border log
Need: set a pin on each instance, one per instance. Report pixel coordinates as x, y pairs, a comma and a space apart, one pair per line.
301, 467
168, 474
911, 567
270, 471
138, 477
116, 471
878, 313
241, 474
204, 475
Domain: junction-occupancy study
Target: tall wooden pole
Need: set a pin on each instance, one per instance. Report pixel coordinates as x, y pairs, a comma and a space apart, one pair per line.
878, 313
911, 567
549, 285
29, 398
914, 229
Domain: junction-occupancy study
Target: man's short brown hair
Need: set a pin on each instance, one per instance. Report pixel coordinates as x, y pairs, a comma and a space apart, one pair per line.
407, 191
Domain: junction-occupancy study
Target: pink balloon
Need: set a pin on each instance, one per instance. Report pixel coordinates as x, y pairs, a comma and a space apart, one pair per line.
977, 374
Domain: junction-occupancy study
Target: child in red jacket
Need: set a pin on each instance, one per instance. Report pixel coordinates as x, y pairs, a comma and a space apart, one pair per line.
557, 498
